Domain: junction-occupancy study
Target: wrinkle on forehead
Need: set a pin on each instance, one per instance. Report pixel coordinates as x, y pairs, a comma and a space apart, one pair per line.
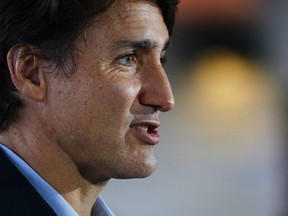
136, 14
122, 11
127, 23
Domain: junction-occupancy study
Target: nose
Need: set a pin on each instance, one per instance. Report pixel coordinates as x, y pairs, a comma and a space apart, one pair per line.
156, 90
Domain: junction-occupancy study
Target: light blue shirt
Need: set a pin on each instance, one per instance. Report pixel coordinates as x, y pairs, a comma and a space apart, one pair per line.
60, 206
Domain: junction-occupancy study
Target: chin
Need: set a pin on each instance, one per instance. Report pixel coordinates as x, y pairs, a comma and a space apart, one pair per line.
141, 170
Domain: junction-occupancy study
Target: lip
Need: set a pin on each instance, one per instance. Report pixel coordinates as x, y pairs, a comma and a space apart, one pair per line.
146, 131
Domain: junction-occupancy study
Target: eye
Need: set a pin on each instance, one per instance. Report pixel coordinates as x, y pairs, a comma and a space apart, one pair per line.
127, 60
163, 60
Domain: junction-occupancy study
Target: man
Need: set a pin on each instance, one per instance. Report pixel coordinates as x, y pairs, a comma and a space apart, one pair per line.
81, 88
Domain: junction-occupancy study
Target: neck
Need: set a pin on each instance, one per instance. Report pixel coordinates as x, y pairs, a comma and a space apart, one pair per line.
55, 166
83, 199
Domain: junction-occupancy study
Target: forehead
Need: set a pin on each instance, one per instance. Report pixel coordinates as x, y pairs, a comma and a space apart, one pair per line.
125, 8
132, 19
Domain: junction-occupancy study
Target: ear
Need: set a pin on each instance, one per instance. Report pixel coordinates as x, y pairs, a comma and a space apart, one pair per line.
26, 72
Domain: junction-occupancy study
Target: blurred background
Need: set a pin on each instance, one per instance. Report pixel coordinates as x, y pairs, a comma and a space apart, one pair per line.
222, 150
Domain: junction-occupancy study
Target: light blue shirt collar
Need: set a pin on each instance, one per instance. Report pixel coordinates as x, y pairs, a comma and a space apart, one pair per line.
49, 194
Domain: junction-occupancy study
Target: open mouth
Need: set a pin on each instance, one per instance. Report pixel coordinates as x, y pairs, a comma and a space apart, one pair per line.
147, 128
147, 131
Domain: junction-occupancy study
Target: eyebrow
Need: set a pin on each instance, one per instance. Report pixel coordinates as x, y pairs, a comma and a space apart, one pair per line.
146, 44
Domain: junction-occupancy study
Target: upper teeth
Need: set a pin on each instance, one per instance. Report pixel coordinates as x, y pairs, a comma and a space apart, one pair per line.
143, 127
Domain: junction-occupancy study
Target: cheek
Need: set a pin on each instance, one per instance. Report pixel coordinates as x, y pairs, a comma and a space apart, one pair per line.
104, 106
105, 115
118, 97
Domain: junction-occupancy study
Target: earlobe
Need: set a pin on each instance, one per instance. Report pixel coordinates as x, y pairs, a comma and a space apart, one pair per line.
26, 72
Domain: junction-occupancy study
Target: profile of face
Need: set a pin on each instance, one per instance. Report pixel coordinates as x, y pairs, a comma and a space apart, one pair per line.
105, 115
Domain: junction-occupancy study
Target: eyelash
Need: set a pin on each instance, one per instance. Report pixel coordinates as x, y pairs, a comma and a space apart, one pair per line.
163, 60
133, 60
123, 58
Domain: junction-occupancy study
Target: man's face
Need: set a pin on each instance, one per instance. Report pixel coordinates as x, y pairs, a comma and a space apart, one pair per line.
105, 115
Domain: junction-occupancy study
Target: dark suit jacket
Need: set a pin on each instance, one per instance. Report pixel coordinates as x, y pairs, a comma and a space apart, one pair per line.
19, 198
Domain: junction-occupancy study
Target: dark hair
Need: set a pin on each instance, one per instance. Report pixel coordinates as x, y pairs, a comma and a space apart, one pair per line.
52, 26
